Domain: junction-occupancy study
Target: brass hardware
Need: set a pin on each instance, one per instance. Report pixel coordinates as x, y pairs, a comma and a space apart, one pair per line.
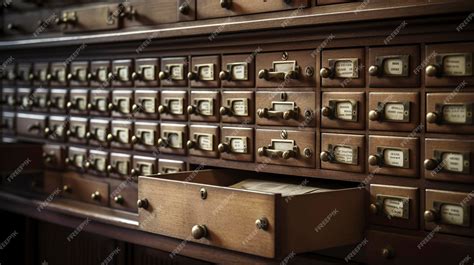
128, 12
199, 231
262, 223
325, 156
225, 111
110, 137
430, 216
184, 8
203, 193
136, 139
374, 115
433, 70
136, 76
193, 76
325, 72
90, 135
135, 172
269, 152
137, 108
111, 106
284, 134
142, 203
191, 109
67, 161
48, 159
307, 152
227, 4
13, 27
430, 164
190, 144
432, 117
88, 165
374, 208
162, 109
225, 75
388, 252
67, 19
374, 70
309, 71
110, 168
269, 74
286, 115
163, 75
67, 188
119, 199
95, 196
223, 148
326, 111
285, 56
47, 132
34, 127
162, 142
375, 160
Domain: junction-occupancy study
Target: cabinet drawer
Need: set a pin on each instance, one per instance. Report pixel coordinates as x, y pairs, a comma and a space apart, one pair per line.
204, 106
24, 74
286, 147
226, 8
97, 163
394, 66
394, 111
146, 104
58, 99
344, 152
170, 166
146, 136
342, 68
236, 144
78, 73
238, 71
57, 128
57, 74
78, 101
390, 155
99, 129
450, 211
76, 158
120, 165
16, 24
123, 197
24, 97
86, 190
173, 72
39, 100
78, 128
344, 110
53, 156
8, 123
275, 225
99, 74
40, 74
146, 72
394, 206
203, 140
204, 71
93, 17
450, 112
121, 105
99, 102
449, 160
172, 106
31, 125
9, 75
287, 69
237, 107
144, 166
9, 99
120, 135
449, 64
286, 108
173, 138
121, 73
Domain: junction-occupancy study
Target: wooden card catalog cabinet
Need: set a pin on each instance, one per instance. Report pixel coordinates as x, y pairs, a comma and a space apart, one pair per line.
287, 69
286, 108
121, 75
203, 140
76, 158
30, 125
174, 72
144, 166
57, 74
394, 111
7, 124
58, 98
99, 129
286, 147
170, 166
394, 66
450, 112
204, 106
236, 144
345, 110
99, 102
97, 162
394, 206
342, 68
238, 71
120, 135
39, 100
450, 211
237, 107
77, 75
344, 152
120, 165
278, 222
9, 99
449, 160
173, 138
77, 187
121, 104
57, 128
449, 64
78, 100
24, 74
25, 98
123, 197
146, 104
40, 74
53, 156
146, 72
99, 74
173, 105
391, 155
146, 136
204, 71
77, 130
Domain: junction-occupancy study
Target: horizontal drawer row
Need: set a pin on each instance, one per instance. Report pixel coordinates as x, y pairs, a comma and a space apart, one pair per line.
445, 65
384, 111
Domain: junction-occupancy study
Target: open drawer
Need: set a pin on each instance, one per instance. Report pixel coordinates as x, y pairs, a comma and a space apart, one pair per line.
229, 209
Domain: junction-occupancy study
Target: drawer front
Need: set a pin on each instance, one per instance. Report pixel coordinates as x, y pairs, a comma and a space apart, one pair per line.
99, 74
170, 166
39, 100
449, 65
76, 158
204, 106
90, 18
204, 71
237, 107
146, 72
97, 163
343, 68
173, 104
9, 99
99, 129
124, 197
86, 190
8, 123
394, 66
53, 156
286, 147
449, 160
146, 104
99, 102
344, 152
173, 138
58, 99
394, 206
236, 144
449, 212
57, 74
394, 111
343, 110
78, 100
120, 165
24, 97
9, 76
16, 24
24, 74
57, 128
286, 108
450, 112
212, 9
78, 128
40, 74
30, 125
120, 135
174, 72
238, 70
78, 73
146, 136
203, 140
144, 165
396, 156
287, 69
121, 105
121, 73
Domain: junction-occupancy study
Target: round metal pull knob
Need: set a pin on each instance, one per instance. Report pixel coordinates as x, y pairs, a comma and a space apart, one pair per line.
66, 188
225, 111
162, 109
95, 196
191, 109
162, 142
374, 115
136, 76
163, 75
430, 164
325, 72
193, 76
223, 148
430, 216
432, 117
374, 70
70, 105
287, 154
374, 160
225, 75
136, 108
199, 231
110, 168
110, 137
135, 139
262, 223
227, 4
88, 165
326, 111
135, 172
142, 203
90, 135
119, 199
325, 156
190, 144
432, 70
388, 253
374, 208
184, 8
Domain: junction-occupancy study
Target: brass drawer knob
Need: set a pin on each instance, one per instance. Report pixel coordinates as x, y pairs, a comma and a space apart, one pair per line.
142, 203
262, 223
227, 4
67, 188
162, 109
47, 132
163, 75
184, 8
223, 148
325, 156
193, 76
374, 208
374, 160
90, 135
432, 70
325, 72
430, 164
88, 165
374, 70
430, 216
95, 196
119, 199
374, 115
225, 111
190, 144
191, 109
136, 139
110, 137
199, 231
432, 117
110, 168
137, 108
162, 142
326, 111
388, 252
225, 75
135, 172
